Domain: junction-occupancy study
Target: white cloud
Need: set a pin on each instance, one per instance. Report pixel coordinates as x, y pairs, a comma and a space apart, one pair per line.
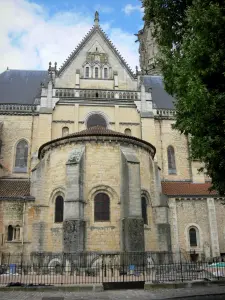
30, 37
104, 9
129, 9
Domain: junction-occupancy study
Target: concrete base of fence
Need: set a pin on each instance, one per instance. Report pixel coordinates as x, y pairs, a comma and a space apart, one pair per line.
180, 285
65, 288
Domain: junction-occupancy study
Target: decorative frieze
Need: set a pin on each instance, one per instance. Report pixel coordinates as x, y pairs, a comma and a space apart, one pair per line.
63, 121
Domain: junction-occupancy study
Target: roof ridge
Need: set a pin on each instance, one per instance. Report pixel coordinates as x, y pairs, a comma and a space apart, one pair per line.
81, 44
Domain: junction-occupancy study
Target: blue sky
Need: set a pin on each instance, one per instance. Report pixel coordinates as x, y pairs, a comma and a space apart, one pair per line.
112, 11
32, 33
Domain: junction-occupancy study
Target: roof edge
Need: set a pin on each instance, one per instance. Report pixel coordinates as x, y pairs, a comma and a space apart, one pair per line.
83, 137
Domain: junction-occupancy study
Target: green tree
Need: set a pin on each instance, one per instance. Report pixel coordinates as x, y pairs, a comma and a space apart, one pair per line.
191, 40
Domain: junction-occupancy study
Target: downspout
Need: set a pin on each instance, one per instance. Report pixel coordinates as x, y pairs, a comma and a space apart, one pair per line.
31, 142
160, 133
189, 159
23, 223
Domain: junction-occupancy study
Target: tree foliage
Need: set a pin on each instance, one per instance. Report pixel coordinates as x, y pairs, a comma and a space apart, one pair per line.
191, 40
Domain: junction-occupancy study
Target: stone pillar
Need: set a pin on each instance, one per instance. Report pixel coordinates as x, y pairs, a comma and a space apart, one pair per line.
77, 83
132, 222
174, 226
213, 227
116, 81
74, 225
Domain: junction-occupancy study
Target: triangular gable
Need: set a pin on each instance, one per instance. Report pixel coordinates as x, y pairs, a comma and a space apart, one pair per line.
98, 46
90, 34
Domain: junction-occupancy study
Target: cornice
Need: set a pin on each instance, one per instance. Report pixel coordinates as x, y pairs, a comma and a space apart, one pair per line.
101, 138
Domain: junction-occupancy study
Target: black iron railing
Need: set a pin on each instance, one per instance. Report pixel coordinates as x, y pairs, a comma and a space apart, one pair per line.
93, 268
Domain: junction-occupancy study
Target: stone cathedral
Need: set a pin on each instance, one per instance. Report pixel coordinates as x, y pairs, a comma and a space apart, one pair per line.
89, 161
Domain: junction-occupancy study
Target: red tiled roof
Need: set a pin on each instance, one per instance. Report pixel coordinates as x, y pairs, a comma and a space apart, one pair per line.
14, 188
187, 189
98, 131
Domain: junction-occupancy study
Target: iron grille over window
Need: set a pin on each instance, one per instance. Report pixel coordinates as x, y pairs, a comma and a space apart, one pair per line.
105, 73
96, 72
59, 206
96, 120
171, 160
144, 209
21, 156
102, 207
87, 72
193, 237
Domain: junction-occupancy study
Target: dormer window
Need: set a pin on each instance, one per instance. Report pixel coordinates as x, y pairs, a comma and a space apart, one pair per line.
87, 75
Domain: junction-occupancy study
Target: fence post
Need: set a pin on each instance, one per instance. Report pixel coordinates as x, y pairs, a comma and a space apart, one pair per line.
181, 268
143, 253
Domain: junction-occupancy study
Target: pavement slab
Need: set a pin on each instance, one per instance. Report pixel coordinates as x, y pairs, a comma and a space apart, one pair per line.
118, 295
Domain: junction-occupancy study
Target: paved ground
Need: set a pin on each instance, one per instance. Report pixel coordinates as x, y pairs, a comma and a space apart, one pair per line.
120, 295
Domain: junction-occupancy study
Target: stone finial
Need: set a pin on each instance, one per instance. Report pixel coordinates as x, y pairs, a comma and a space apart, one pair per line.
50, 66
55, 66
96, 18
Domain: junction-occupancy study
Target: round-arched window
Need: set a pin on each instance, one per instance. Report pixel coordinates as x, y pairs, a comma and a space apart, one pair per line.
65, 131
193, 237
127, 131
96, 120
101, 207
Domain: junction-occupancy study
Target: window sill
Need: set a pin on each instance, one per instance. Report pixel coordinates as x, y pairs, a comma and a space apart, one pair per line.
147, 227
14, 242
172, 173
19, 170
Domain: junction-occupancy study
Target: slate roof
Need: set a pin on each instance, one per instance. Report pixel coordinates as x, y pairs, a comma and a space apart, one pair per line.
14, 189
21, 86
175, 188
159, 96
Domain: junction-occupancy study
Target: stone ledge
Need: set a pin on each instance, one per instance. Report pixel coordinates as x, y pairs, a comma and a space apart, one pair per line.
178, 285
66, 288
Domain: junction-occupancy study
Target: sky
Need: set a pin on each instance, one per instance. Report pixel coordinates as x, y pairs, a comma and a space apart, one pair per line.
32, 33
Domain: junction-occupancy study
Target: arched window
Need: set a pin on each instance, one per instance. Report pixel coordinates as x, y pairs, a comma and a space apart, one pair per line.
193, 237
171, 160
127, 131
87, 75
17, 233
10, 233
96, 72
106, 73
65, 131
101, 207
21, 157
59, 207
96, 120
144, 205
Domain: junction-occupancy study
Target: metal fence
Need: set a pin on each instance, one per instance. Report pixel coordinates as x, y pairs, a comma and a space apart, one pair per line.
93, 268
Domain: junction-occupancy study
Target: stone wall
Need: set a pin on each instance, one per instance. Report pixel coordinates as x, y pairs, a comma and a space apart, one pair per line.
204, 214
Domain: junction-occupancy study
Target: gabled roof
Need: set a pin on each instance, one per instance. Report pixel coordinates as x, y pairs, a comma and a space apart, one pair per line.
21, 86
94, 29
160, 97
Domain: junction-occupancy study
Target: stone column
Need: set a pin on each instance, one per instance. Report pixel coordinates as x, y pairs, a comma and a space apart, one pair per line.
213, 227
132, 222
74, 225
